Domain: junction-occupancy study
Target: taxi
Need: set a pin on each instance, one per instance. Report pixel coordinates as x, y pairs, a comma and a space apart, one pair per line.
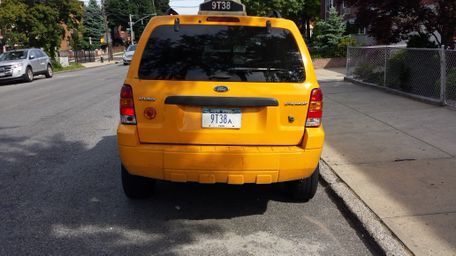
221, 97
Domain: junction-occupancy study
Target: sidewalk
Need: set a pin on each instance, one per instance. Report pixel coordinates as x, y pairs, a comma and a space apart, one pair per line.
117, 58
398, 156
97, 64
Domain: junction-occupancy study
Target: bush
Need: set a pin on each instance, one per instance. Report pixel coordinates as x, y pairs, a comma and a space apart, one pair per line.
56, 64
369, 72
398, 72
343, 45
421, 41
451, 84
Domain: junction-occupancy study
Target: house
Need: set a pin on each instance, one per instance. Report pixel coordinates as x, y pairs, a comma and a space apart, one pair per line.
341, 7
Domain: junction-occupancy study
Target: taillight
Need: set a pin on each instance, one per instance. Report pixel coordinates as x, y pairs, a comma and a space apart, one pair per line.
127, 106
315, 112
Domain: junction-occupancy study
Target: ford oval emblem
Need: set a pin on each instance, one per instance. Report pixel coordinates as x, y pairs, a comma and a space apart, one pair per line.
221, 88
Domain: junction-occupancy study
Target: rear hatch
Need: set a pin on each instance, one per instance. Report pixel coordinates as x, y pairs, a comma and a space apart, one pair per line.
220, 85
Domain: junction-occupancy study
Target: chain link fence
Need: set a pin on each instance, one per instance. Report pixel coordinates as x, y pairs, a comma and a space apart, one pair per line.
450, 95
427, 74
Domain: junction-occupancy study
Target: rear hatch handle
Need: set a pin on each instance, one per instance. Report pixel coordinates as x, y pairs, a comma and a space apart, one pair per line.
221, 101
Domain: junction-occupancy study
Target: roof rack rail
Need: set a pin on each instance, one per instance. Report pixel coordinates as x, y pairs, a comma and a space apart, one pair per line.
275, 14
171, 11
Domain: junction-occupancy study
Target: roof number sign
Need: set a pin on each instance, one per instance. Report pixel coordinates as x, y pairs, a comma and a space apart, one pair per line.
222, 6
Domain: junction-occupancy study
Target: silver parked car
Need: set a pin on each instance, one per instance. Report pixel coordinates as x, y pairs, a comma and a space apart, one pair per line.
128, 55
24, 64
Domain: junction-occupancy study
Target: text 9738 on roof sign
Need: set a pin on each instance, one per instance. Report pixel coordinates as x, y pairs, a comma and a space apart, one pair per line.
222, 6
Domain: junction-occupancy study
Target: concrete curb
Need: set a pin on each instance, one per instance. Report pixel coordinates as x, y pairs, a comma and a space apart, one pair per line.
372, 224
84, 68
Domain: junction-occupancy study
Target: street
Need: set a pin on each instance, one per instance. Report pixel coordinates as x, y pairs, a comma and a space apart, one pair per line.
60, 189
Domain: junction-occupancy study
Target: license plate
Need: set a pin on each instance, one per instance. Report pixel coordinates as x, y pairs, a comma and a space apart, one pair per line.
220, 5
222, 118
2, 74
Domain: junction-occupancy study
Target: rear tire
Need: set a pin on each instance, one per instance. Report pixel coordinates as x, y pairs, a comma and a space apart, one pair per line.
136, 187
303, 190
49, 72
28, 76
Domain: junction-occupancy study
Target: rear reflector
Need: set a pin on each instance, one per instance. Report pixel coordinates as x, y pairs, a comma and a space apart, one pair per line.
315, 112
127, 106
223, 19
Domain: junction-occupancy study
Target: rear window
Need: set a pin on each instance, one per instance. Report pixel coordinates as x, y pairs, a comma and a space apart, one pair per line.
222, 53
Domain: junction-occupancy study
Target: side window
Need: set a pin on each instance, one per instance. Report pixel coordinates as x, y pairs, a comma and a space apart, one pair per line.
34, 54
42, 54
39, 54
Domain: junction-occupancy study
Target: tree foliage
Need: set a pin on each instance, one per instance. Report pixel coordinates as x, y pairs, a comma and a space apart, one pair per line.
329, 37
391, 21
41, 24
300, 11
93, 26
12, 18
118, 12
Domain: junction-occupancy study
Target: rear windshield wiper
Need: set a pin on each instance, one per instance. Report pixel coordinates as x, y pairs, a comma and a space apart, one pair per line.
256, 69
220, 77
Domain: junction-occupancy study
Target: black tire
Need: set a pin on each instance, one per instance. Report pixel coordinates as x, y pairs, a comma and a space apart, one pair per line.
49, 72
136, 187
28, 76
303, 190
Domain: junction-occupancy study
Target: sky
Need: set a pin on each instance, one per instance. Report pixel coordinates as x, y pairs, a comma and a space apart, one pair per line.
185, 6
181, 6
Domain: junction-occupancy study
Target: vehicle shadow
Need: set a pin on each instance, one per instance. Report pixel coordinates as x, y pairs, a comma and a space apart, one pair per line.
66, 194
19, 81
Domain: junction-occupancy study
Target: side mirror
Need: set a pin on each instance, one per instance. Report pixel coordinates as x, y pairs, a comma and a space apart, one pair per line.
32, 57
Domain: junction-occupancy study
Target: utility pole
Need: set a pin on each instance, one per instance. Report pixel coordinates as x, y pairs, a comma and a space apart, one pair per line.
107, 33
132, 33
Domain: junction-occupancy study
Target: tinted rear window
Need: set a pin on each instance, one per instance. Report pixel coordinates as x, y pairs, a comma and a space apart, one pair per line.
222, 53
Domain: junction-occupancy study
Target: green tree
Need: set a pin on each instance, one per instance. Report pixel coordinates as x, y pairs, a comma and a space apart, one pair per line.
12, 16
300, 11
329, 35
118, 12
43, 29
39, 24
93, 25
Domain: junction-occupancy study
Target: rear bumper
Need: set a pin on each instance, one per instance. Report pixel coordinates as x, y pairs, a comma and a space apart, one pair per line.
220, 164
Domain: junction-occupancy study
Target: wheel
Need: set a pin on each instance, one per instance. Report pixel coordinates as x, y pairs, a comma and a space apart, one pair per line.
303, 190
28, 76
49, 72
136, 187
125, 63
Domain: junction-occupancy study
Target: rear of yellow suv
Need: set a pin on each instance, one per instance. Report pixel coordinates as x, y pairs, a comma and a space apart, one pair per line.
221, 99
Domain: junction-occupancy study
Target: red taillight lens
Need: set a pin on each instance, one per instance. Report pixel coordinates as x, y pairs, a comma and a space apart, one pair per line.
315, 112
127, 106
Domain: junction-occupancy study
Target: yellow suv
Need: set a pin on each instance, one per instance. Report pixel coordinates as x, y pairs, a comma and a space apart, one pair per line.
221, 97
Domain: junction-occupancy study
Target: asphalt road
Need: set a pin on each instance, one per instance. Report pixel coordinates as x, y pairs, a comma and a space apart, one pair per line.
60, 190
